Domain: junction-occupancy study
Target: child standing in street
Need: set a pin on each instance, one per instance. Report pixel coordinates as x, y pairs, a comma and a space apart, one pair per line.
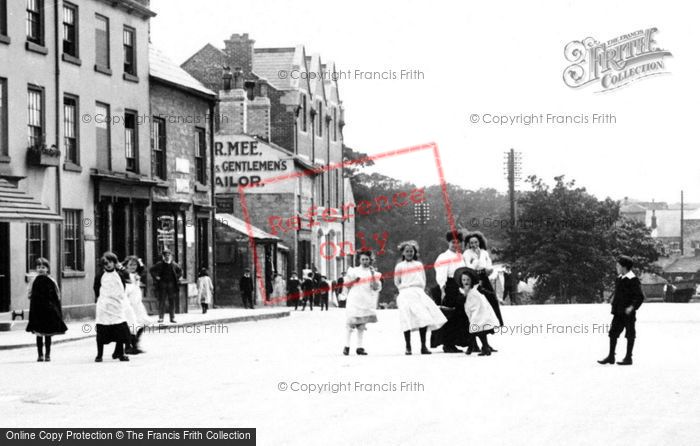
136, 313
110, 294
626, 300
364, 284
205, 289
417, 311
45, 313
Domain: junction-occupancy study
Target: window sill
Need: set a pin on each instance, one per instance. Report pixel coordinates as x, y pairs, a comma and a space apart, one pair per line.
72, 167
199, 187
161, 183
72, 59
70, 274
36, 48
5, 39
5, 159
131, 78
103, 70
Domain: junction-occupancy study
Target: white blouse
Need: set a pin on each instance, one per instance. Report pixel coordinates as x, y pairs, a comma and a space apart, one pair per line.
481, 261
409, 274
445, 266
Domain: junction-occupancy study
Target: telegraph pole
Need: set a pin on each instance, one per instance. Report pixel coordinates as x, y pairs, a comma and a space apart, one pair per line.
513, 171
682, 216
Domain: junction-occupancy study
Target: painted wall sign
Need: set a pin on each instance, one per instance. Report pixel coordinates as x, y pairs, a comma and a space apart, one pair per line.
241, 160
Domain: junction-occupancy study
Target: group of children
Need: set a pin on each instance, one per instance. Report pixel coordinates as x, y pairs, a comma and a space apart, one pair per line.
461, 313
120, 315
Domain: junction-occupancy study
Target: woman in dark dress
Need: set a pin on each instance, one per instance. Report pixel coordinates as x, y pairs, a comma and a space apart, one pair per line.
45, 314
455, 332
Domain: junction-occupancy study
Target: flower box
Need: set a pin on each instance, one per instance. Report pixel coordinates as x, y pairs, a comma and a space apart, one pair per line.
43, 156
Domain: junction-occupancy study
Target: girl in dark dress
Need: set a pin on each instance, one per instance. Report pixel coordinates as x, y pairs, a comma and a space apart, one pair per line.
45, 314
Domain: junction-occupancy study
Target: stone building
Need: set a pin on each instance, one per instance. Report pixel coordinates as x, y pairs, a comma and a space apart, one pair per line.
181, 121
295, 119
74, 162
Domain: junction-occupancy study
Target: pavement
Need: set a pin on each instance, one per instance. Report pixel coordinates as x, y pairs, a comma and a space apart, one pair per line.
287, 378
17, 337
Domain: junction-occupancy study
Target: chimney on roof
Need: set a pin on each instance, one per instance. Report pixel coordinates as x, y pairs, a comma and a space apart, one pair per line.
258, 121
653, 219
239, 49
227, 77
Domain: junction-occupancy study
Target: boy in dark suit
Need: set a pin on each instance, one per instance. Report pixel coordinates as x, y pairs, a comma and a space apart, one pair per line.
626, 300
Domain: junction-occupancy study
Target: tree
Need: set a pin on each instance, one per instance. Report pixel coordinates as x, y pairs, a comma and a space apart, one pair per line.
568, 240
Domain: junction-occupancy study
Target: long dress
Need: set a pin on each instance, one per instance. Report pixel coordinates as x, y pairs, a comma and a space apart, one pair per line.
279, 288
455, 332
361, 306
481, 263
416, 309
45, 313
205, 290
110, 316
482, 318
135, 311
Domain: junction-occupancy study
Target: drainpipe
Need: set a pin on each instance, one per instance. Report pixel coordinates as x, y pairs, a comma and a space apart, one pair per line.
59, 273
212, 268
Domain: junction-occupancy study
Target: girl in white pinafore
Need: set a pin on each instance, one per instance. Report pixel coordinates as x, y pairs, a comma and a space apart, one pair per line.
361, 308
110, 314
135, 311
417, 311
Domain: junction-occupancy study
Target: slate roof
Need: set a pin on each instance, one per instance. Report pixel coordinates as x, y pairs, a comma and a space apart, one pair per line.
684, 265
268, 62
161, 67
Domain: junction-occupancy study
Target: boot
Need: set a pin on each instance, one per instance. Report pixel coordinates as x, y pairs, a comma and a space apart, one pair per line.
346, 351
627, 360
361, 351
610, 359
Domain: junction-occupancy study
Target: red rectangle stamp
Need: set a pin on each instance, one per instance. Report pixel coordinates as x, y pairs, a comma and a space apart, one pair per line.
316, 219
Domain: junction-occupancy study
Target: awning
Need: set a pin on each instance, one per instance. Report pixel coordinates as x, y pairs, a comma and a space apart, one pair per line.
16, 205
240, 226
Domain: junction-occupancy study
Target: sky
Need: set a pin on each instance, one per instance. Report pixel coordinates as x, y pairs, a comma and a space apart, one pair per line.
485, 59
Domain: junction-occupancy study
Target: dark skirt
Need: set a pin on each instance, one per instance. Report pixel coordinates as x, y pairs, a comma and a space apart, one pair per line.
45, 314
488, 291
113, 333
456, 329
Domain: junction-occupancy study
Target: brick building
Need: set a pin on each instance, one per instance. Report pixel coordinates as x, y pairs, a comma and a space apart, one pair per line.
74, 163
297, 117
181, 140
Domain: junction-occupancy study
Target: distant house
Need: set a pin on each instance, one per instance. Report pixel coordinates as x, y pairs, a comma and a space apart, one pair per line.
684, 269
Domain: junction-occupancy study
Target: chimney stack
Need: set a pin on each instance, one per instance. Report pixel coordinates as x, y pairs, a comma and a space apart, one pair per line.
239, 49
259, 112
